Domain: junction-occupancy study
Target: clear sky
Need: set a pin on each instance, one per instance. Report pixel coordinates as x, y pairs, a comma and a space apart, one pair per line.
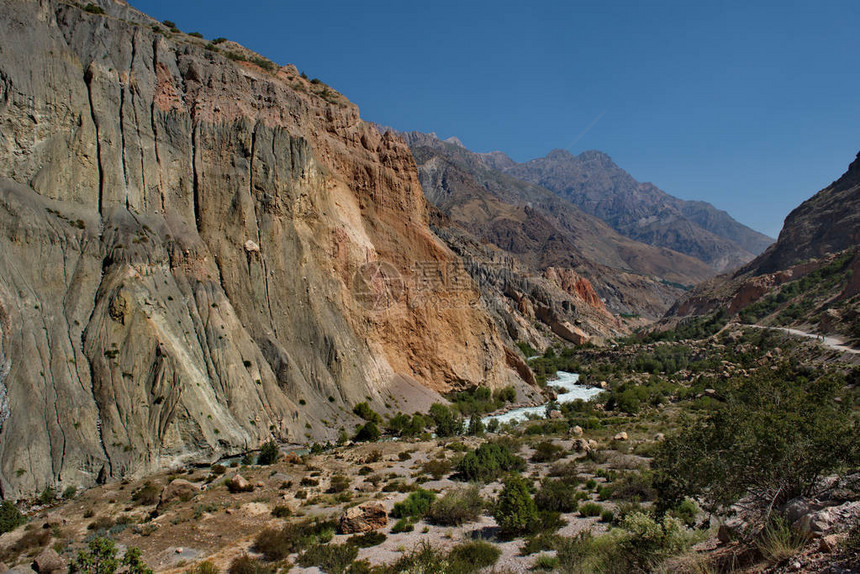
751, 105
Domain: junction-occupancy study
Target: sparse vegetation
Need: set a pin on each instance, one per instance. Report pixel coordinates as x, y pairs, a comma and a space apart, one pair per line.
10, 517
457, 507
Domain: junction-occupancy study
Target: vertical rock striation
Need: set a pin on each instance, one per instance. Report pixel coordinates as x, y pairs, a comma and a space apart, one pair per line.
180, 237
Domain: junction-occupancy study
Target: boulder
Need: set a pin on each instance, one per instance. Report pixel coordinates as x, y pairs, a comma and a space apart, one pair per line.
178, 488
48, 561
239, 484
581, 445
795, 509
621, 436
659, 437
363, 518
577, 430
555, 415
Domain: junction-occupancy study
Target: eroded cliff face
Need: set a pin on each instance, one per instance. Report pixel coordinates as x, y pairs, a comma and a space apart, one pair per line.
197, 254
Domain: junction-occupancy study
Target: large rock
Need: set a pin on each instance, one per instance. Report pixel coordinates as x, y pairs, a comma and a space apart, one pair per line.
49, 562
363, 518
178, 488
238, 483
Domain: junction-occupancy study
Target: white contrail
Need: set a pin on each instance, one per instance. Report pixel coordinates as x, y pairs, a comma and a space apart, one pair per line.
586, 130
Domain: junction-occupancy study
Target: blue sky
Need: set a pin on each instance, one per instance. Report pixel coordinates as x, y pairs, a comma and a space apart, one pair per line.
753, 106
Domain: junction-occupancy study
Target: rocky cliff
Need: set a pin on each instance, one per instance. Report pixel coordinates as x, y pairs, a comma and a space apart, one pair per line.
200, 250
807, 279
493, 217
641, 211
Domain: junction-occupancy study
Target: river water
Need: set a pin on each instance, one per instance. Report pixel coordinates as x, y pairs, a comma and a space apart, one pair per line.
567, 381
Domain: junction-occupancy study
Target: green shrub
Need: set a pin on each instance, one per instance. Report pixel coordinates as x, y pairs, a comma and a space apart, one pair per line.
546, 562
557, 495
244, 564
331, 558
488, 462
278, 543
205, 567
363, 410
94, 9
368, 432
473, 555
539, 542
607, 516
402, 525
338, 483
100, 558
282, 511
437, 468
515, 511
195, 34
10, 517
446, 419
547, 451
778, 541
774, 438
416, 504
368, 539
590, 509
269, 453
456, 507
69, 492
47, 496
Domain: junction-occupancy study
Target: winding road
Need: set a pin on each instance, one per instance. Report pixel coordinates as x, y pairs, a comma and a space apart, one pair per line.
832, 342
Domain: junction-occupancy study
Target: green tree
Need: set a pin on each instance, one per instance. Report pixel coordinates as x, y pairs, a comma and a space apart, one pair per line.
98, 558
10, 517
134, 563
515, 511
268, 453
364, 411
448, 422
773, 440
369, 432
476, 426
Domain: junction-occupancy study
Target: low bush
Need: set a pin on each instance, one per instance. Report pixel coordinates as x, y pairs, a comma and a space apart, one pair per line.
473, 555
146, 495
456, 507
547, 451
590, 509
547, 562
339, 483
278, 543
282, 511
205, 567
539, 543
269, 453
368, 539
244, 564
10, 517
416, 504
402, 525
330, 558
489, 461
779, 541
558, 495
437, 468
